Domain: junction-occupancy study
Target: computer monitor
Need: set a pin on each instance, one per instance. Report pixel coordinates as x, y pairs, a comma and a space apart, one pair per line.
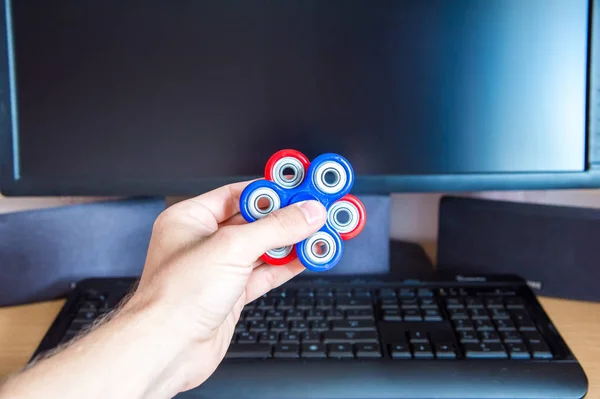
177, 97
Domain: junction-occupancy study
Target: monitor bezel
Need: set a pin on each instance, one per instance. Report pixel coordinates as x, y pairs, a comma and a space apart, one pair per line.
11, 184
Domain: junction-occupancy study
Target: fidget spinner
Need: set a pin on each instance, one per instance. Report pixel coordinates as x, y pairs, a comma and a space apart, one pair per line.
289, 178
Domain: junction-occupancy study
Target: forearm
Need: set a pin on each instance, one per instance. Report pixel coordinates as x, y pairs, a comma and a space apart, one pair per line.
132, 356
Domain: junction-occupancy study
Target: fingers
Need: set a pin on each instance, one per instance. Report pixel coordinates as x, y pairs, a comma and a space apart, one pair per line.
210, 209
266, 277
283, 227
233, 221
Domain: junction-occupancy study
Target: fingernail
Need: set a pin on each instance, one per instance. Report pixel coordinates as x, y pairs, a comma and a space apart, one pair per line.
312, 210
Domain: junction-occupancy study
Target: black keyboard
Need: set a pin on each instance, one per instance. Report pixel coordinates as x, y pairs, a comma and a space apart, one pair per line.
349, 337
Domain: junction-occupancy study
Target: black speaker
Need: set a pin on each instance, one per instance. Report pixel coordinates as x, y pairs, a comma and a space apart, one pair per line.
555, 248
44, 252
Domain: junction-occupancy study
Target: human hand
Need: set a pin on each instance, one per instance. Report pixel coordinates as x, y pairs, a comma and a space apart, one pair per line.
201, 269
203, 266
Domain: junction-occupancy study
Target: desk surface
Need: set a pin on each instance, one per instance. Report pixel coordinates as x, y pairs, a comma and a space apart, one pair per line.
22, 328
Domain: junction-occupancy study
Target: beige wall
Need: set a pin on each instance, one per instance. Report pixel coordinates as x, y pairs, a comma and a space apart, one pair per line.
414, 216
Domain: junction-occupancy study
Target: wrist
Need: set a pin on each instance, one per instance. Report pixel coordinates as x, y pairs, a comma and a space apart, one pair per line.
155, 329
165, 319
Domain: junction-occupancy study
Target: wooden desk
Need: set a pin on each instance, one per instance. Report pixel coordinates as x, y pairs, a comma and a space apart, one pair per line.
22, 328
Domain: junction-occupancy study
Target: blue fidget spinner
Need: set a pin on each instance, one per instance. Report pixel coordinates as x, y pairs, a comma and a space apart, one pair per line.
289, 178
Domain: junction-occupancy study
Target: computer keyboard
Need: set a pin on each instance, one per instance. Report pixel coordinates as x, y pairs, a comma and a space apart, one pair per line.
336, 333
342, 323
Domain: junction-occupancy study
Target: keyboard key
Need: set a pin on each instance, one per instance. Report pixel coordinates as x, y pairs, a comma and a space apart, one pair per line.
89, 306
313, 350
387, 293
400, 351
514, 303
458, 314
492, 303
517, 351
422, 351
244, 351
367, 350
353, 325
94, 296
411, 315
484, 351
424, 292
431, 315
505, 325
255, 314
406, 293
489, 336
350, 336
247, 337
85, 315
511, 337
319, 325
463, 325
340, 350
265, 303
295, 314
289, 338
445, 351
315, 314
540, 351
454, 303
360, 314
324, 303
428, 303
258, 325
305, 303
519, 314
409, 304
305, 292
484, 325
474, 303
478, 314
499, 314
343, 292
268, 337
392, 315
277, 293
274, 315
354, 303
418, 337
240, 327
532, 337
311, 337
324, 293
81, 325
286, 351
278, 326
285, 304
362, 293
389, 303
298, 326
335, 314
468, 337
527, 326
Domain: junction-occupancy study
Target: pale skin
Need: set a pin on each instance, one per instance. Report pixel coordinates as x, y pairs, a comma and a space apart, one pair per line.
203, 266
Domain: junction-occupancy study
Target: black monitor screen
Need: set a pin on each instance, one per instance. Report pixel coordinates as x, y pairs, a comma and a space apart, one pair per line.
173, 90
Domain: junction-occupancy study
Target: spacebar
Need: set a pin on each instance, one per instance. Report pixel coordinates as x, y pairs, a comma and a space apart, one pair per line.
248, 351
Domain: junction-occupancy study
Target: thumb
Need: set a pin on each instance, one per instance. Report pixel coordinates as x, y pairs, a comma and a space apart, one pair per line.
286, 226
